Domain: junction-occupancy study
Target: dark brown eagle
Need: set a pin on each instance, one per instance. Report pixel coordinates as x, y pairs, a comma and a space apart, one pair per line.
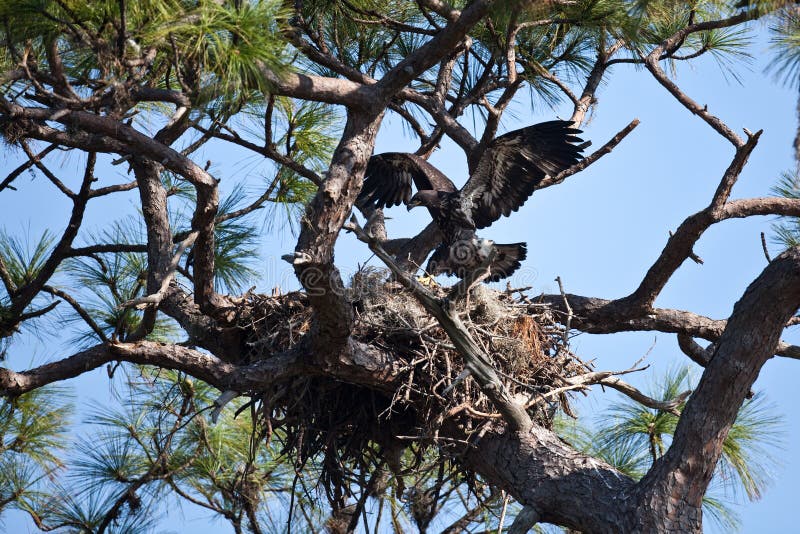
506, 175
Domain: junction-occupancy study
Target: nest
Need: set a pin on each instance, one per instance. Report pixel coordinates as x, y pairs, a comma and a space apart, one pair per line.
352, 430
527, 350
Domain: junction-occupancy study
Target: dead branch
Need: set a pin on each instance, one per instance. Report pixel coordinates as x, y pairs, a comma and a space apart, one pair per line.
591, 158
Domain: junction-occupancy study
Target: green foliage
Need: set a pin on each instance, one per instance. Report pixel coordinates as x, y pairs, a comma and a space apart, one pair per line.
367, 47
35, 425
59, 508
787, 230
229, 44
748, 457
786, 43
235, 245
215, 50
306, 132
155, 447
636, 427
720, 512
107, 281
25, 258
33, 436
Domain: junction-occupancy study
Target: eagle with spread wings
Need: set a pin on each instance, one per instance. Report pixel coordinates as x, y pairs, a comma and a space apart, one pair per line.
506, 175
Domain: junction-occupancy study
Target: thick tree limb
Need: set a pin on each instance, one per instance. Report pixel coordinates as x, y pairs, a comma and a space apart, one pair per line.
600, 316
154, 299
318, 88
674, 487
565, 486
694, 351
361, 363
171, 356
153, 197
325, 215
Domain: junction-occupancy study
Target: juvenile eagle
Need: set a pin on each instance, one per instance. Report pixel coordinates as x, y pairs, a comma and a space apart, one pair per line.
506, 175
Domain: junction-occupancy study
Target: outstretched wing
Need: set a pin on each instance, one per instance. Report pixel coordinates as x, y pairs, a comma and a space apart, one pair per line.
388, 178
514, 164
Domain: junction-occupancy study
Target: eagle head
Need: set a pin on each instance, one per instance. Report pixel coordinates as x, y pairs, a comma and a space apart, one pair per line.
427, 197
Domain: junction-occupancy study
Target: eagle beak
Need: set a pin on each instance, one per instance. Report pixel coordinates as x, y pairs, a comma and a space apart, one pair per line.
411, 205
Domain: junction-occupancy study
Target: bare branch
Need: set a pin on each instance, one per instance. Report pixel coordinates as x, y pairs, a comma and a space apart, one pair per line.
154, 299
591, 158
601, 316
587, 98
6, 183
680, 245
36, 160
268, 150
670, 406
25, 294
79, 309
652, 63
117, 188
693, 350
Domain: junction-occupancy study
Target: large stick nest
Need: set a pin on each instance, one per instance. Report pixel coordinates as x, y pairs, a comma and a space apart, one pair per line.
349, 425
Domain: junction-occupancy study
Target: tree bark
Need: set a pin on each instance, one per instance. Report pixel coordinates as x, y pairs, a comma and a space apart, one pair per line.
671, 494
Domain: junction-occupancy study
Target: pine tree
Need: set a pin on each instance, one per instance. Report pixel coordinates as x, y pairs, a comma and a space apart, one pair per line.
375, 403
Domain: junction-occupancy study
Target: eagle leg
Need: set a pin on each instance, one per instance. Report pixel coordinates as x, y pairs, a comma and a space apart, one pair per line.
427, 280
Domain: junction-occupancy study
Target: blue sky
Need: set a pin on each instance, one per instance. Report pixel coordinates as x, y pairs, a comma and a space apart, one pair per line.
599, 231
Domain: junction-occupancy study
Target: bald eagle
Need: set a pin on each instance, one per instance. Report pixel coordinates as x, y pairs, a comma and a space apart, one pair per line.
506, 175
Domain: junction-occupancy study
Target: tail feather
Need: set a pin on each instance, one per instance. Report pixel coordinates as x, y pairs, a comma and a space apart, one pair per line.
509, 259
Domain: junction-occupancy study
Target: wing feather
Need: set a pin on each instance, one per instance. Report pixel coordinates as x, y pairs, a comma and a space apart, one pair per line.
514, 164
388, 179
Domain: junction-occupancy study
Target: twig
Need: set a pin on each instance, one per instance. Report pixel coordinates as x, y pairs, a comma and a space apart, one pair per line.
679, 246
764, 247
568, 322
79, 309
6, 183
692, 255
652, 63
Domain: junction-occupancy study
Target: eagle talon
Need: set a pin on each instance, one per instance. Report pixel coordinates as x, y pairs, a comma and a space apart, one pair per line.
427, 280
